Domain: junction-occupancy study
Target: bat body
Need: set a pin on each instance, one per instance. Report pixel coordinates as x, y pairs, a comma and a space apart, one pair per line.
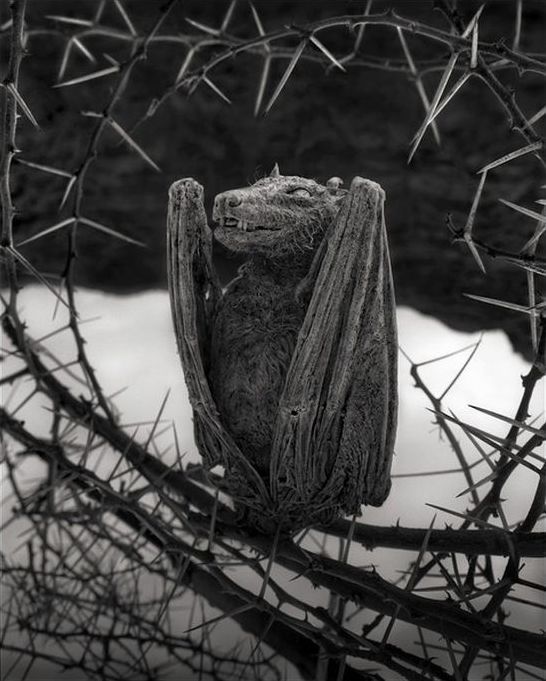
291, 371
255, 330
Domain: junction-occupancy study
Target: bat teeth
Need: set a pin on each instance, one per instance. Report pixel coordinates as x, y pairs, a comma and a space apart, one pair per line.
238, 223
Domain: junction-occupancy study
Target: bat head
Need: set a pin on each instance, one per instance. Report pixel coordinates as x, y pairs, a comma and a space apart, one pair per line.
277, 215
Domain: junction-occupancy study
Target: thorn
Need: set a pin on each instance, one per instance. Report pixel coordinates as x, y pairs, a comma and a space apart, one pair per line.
49, 230
111, 232
525, 211
316, 42
286, 75
10, 87
436, 100
131, 142
90, 76
216, 89
534, 146
121, 9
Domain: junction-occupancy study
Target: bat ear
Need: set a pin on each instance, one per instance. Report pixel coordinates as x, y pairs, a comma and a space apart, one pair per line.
333, 185
275, 172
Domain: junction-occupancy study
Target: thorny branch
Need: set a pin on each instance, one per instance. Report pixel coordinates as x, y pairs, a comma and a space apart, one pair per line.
8, 113
92, 530
342, 579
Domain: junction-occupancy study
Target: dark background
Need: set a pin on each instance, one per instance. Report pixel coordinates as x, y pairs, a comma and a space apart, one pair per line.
323, 124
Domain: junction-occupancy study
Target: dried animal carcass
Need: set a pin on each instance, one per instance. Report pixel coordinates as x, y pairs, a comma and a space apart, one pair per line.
291, 371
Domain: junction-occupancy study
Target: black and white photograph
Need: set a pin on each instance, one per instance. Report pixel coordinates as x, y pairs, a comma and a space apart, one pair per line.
273, 340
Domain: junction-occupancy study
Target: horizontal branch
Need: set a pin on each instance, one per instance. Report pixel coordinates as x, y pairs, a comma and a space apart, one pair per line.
470, 542
299, 649
369, 590
352, 21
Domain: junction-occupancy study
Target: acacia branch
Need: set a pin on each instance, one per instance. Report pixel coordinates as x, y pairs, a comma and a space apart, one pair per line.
8, 146
83, 413
368, 589
351, 583
138, 53
213, 584
470, 542
507, 466
506, 98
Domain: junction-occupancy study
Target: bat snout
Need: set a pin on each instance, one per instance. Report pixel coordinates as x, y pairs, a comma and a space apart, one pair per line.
233, 200
224, 202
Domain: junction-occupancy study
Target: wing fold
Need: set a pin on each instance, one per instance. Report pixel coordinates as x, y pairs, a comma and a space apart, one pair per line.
335, 430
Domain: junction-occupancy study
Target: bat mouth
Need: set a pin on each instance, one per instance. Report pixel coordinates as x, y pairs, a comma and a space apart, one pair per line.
242, 225
244, 236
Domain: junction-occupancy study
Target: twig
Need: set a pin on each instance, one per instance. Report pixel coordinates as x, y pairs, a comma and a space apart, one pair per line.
8, 149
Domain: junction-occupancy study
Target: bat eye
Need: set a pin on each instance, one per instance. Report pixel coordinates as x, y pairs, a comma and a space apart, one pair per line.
299, 191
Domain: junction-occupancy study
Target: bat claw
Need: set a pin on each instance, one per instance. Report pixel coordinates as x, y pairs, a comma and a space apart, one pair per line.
188, 188
360, 183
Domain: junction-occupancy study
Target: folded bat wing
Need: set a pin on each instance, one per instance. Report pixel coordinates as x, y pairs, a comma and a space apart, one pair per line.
336, 424
194, 292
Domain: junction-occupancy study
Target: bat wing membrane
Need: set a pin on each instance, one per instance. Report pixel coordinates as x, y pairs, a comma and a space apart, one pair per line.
194, 292
336, 424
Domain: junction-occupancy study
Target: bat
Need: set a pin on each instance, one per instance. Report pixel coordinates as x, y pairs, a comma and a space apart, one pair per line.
292, 369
